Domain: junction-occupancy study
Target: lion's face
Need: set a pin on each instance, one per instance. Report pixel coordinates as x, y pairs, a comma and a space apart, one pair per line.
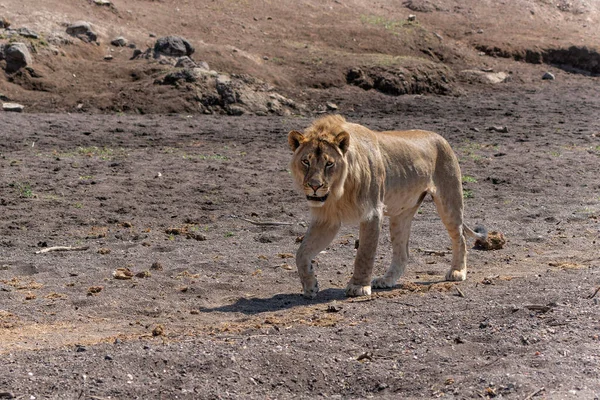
319, 166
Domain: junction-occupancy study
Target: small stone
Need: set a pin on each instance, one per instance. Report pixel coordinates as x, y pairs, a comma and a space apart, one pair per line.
14, 107
4, 24
548, 76
143, 274
159, 330
119, 41
79, 348
94, 290
331, 106
6, 395
411, 17
501, 129
108, 357
122, 273
157, 266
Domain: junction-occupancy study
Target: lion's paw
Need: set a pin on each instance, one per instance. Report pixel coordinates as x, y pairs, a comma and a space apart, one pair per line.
456, 275
382, 282
357, 290
311, 289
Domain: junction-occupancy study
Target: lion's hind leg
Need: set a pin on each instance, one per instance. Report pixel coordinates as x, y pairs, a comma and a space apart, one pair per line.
450, 210
400, 232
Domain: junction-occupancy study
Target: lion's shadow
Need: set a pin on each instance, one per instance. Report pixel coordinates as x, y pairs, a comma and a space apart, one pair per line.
277, 302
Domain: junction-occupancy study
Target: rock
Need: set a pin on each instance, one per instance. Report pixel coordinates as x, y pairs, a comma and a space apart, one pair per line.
185, 62
548, 76
17, 56
184, 75
14, 107
82, 30
357, 77
486, 77
203, 65
500, 129
4, 23
27, 33
119, 41
102, 3
122, 273
136, 53
7, 395
173, 46
411, 18
331, 106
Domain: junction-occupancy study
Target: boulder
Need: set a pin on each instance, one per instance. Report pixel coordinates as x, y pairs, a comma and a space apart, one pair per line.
185, 62
82, 30
119, 41
17, 56
173, 46
28, 33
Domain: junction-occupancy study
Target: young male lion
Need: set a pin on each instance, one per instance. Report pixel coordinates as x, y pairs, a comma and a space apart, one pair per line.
352, 174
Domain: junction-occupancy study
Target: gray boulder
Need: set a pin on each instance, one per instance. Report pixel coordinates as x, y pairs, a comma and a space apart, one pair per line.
82, 30
173, 46
28, 33
548, 76
119, 41
17, 56
185, 62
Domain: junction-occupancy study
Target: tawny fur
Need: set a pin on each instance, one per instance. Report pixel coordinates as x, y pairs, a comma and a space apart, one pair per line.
351, 174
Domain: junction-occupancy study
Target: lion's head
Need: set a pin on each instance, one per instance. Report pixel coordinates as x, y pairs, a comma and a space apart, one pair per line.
319, 164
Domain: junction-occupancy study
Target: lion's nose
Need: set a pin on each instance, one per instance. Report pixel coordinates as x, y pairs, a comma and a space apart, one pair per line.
315, 186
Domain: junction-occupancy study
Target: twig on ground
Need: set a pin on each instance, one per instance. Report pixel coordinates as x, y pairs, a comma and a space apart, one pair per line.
538, 308
440, 253
534, 393
594, 294
263, 223
460, 292
62, 248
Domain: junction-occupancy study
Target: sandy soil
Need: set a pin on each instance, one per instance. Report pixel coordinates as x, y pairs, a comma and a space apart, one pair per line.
215, 311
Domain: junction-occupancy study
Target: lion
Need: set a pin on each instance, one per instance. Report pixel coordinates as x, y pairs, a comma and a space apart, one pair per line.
351, 174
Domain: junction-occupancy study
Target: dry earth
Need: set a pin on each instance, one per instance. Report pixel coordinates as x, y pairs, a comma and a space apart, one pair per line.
213, 309
158, 194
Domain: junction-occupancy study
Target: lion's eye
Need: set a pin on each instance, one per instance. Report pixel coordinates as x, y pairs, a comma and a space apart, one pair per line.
329, 164
306, 163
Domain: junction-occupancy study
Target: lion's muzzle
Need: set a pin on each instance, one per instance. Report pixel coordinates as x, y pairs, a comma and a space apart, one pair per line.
317, 198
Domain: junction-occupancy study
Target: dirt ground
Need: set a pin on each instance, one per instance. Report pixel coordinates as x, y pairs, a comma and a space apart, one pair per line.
214, 307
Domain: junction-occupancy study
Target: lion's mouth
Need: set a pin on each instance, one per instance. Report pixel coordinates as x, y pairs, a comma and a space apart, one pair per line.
317, 198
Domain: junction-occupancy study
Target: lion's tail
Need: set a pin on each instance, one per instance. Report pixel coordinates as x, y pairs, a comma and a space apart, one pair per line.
479, 233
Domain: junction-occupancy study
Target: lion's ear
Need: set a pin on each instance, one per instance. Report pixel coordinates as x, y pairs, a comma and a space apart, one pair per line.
295, 139
342, 140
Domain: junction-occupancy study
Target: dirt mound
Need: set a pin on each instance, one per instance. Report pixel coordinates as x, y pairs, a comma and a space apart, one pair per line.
396, 81
572, 59
290, 50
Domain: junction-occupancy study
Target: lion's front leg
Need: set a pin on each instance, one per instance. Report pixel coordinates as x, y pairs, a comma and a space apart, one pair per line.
318, 236
360, 283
